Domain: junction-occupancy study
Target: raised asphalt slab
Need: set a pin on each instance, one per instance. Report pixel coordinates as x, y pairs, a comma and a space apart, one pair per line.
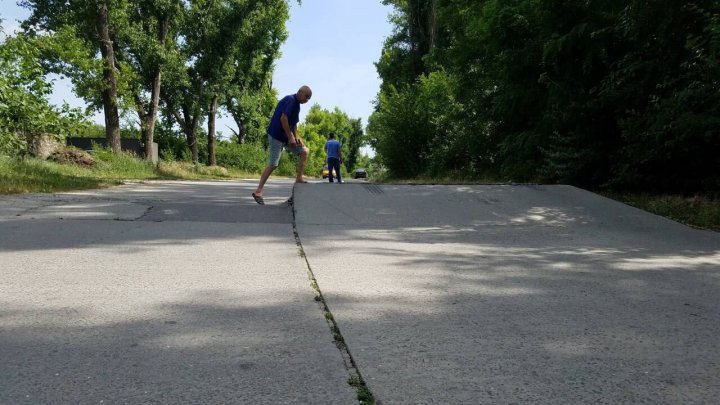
515, 294
166, 292
189, 292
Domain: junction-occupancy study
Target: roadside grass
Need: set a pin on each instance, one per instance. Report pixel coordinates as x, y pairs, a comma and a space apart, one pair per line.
698, 211
31, 175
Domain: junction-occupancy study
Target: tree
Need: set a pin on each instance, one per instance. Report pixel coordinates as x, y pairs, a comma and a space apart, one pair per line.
597, 94
147, 41
413, 128
356, 139
249, 96
24, 107
318, 125
93, 22
666, 92
221, 38
251, 110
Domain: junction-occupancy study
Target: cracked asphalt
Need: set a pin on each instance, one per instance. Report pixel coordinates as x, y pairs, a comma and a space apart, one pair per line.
189, 292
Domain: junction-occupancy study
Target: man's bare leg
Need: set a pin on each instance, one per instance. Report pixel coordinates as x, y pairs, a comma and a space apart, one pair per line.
301, 165
263, 178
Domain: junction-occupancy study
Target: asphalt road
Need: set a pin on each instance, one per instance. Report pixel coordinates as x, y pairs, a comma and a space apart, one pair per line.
189, 292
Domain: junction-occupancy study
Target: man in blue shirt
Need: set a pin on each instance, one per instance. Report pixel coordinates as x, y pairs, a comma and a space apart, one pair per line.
282, 134
334, 156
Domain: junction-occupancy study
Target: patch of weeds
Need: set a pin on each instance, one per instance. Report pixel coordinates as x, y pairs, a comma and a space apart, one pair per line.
700, 211
336, 334
363, 393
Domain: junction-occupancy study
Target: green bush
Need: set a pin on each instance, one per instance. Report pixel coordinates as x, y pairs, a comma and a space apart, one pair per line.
24, 107
414, 129
287, 165
250, 158
12, 144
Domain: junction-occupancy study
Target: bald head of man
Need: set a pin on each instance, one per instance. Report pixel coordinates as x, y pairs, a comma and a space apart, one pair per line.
304, 94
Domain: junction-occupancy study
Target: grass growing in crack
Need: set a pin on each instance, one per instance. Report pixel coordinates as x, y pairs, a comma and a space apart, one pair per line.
363, 393
336, 335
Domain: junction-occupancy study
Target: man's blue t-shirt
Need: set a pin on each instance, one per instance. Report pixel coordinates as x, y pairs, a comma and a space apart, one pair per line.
291, 107
332, 147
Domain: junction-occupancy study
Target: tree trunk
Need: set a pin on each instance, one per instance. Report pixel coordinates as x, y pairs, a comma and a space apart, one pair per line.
230, 104
155, 97
242, 132
142, 116
211, 130
191, 133
188, 125
432, 29
109, 92
196, 116
192, 141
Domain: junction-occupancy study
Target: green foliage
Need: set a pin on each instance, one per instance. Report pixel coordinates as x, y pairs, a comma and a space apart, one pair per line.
24, 108
288, 165
120, 165
414, 129
248, 96
316, 129
201, 51
697, 211
171, 143
356, 139
248, 157
671, 127
73, 47
598, 94
251, 111
227, 54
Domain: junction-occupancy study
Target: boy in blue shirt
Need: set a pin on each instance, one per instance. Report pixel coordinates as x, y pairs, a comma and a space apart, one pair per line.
334, 156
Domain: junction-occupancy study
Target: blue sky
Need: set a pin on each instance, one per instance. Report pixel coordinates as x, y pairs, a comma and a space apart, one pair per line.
331, 47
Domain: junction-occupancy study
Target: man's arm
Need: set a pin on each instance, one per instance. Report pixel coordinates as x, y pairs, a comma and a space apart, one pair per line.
297, 138
286, 127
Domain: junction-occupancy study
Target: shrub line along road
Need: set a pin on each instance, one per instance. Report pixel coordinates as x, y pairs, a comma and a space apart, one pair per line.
189, 292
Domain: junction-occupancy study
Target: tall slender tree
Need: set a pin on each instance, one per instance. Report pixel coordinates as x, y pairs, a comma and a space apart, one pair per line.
224, 40
147, 41
93, 22
249, 97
